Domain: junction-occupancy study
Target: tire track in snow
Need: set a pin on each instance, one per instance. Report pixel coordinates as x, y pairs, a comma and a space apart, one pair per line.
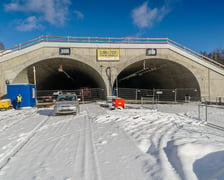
50, 151
157, 139
79, 158
159, 142
6, 158
54, 137
13, 113
18, 120
94, 152
86, 161
152, 138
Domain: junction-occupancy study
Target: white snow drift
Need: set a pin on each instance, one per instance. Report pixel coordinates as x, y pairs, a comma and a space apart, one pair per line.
102, 144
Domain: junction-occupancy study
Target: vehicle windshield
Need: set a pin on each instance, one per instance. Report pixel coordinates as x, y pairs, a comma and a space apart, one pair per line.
66, 98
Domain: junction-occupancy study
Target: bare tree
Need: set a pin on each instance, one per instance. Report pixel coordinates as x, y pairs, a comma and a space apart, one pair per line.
2, 46
217, 55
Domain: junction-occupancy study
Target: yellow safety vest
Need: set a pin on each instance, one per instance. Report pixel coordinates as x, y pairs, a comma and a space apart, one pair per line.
19, 98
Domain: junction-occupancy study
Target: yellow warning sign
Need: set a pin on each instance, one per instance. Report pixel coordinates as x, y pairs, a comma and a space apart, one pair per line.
108, 54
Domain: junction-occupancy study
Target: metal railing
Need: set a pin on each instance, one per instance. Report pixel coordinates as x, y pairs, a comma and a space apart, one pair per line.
107, 40
212, 115
218, 100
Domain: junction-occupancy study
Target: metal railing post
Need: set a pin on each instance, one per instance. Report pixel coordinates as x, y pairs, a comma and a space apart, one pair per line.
153, 92
141, 102
206, 112
82, 96
199, 113
175, 95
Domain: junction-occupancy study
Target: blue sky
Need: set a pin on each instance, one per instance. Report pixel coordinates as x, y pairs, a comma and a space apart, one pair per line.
196, 24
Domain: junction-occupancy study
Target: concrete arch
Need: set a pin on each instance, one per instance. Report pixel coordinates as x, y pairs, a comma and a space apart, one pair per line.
47, 72
208, 76
121, 67
163, 73
167, 70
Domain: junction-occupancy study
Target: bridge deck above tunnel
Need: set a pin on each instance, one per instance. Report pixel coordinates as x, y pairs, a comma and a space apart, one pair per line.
109, 62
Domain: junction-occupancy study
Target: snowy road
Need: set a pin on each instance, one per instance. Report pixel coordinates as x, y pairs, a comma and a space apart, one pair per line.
99, 144
48, 147
37, 145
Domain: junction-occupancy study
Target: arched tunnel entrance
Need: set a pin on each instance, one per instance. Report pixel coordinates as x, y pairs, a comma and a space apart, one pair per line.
159, 74
74, 75
145, 74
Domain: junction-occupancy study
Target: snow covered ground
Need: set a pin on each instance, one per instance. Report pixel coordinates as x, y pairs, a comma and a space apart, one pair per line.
102, 144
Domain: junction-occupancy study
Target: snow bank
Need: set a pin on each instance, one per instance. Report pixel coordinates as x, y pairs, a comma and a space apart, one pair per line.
176, 142
103, 144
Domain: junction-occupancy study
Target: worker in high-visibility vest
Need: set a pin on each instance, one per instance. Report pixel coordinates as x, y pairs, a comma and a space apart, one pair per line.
19, 99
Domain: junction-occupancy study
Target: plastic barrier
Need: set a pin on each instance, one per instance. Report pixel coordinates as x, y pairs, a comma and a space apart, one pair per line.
118, 102
5, 104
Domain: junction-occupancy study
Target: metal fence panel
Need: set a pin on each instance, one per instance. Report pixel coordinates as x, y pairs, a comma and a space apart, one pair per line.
212, 114
187, 94
90, 94
164, 94
149, 103
126, 93
178, 94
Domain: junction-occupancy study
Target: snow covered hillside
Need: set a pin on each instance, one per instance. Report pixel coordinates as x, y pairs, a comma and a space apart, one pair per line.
100, 144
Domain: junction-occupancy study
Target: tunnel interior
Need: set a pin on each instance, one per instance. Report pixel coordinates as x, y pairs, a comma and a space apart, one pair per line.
157, 74
144, 74
64, 74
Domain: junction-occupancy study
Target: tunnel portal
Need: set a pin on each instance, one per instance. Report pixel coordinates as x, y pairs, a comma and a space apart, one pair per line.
64, 74
137, 63
144, 74
158, 74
